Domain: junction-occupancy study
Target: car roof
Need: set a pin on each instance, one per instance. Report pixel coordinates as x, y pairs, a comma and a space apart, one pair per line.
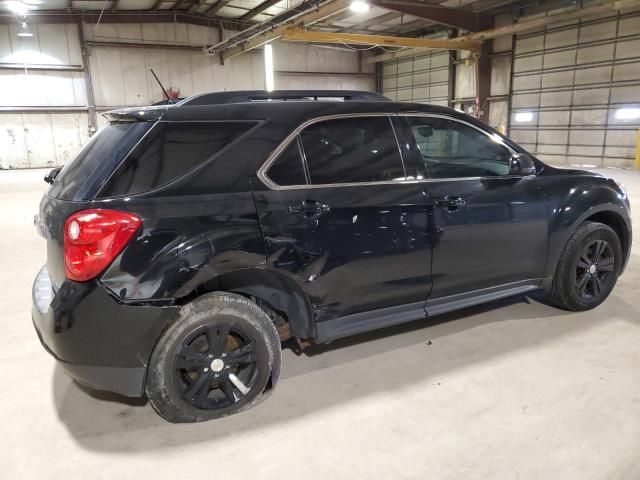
289, 106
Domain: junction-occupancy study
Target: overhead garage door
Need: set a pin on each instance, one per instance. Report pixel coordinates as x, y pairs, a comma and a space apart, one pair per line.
576, 91
420, 78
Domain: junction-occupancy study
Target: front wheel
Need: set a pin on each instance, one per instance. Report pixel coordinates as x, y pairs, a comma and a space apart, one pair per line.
588, 268
216, 360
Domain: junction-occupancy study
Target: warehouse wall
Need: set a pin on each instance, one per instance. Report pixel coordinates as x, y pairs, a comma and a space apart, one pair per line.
425, 78
500, 77
43, 111
572, 80
571, 77
422, 78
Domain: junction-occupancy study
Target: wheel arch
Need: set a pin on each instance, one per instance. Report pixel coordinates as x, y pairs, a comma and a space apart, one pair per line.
610, 214
616, 222
278, 291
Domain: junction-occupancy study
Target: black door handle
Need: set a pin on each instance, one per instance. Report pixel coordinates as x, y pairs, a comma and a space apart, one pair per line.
450, 202
310, 208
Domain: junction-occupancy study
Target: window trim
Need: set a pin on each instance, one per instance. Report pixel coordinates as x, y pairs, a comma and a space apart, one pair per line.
285, 143
262, 171
99, 194
302, 158
496, 139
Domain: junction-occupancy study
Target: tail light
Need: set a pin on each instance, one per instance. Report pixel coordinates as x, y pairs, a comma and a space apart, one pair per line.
93, 238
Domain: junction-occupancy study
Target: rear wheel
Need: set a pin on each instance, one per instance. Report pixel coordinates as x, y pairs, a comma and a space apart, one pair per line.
216, 360
588, 268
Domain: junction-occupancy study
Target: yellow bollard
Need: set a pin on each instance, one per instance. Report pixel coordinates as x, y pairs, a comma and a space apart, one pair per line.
637, 163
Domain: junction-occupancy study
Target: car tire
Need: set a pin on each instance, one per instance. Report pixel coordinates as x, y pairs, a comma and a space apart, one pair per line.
588, 268
217, 359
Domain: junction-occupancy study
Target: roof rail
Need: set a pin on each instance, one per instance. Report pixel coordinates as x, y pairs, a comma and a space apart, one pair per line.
245, 96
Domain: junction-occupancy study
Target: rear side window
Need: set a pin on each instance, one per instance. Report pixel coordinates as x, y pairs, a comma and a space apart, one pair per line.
352, 150
81, 178
169, 151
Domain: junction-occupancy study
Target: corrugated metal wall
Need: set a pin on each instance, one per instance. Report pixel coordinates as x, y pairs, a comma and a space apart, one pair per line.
572, 80
121, 77
301, 66
421, 78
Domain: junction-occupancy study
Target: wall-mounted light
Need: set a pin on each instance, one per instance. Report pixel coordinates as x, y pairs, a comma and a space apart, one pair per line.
523, 117
359, 6
24, 32
628, 113
268, 67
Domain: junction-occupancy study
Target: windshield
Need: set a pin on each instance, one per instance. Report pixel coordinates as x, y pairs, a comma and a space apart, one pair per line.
82, 177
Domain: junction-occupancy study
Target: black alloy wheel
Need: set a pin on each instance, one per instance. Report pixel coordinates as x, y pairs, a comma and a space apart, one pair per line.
219, 357
594, 270
587, 269
214, 367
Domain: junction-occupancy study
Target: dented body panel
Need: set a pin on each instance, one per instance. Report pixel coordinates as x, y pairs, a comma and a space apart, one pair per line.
377, 250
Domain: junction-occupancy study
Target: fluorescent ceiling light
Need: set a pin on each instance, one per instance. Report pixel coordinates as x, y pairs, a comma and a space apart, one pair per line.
25, 34
17, 7
628, 113
268, 67
359, 6
524, 116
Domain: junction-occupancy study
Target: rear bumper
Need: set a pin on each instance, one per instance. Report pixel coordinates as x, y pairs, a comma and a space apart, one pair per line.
100, 342
123, 380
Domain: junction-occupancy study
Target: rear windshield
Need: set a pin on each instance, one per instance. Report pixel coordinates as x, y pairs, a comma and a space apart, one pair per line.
82, 177
169, 151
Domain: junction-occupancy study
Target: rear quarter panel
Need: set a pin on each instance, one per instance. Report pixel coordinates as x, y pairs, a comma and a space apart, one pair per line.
185, 241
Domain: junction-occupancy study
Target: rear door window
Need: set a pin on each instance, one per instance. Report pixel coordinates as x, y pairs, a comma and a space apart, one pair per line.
169, 151
288, 169
352, 150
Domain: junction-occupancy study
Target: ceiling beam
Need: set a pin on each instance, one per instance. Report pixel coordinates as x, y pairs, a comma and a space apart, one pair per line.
372, 21
409, 26
217, 6
387, 41
270, 33
450, 16
526, 24
126, 16
259, 9
346, 13
176, 6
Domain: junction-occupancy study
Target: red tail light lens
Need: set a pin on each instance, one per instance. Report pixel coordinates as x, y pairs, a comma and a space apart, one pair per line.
93, 238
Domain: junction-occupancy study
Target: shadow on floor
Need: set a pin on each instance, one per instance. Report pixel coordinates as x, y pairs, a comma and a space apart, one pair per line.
345, 371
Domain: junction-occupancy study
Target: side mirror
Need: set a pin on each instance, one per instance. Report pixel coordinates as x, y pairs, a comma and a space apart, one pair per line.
521, 164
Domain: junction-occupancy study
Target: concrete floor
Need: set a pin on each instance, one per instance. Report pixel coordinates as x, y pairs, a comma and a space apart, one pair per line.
511, 390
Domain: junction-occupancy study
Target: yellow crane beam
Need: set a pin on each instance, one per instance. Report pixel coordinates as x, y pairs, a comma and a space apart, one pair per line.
309, 18
295, 34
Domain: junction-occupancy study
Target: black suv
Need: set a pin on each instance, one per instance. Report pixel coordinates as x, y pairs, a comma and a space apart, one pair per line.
186, 242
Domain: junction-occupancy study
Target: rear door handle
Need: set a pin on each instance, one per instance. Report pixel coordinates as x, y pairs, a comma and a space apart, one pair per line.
309, 208
450, 202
